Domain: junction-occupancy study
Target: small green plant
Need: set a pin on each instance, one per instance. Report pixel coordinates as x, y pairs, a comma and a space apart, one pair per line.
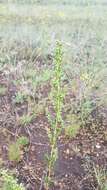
72, 129
23, 141
20, 97
9, 182
2, 90
101, 177
86, 108
25, 119
15, 151
56, 123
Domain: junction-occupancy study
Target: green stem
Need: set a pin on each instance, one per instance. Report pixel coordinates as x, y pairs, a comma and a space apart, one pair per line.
57, 102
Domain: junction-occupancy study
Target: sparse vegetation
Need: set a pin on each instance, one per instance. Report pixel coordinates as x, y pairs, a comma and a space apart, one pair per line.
101, 177
15, 151
19, 98
49, 109
9, 182
25, 119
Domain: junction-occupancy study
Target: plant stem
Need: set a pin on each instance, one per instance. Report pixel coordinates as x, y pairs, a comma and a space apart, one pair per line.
57, 103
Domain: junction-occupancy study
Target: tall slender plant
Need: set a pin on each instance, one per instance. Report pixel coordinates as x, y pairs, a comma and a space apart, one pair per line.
56, 123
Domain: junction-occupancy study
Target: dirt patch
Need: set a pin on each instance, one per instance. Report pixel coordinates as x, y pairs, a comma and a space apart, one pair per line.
71, 169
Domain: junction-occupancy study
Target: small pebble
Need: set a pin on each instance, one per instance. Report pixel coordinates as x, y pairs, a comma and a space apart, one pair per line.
98, 146
67, 151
